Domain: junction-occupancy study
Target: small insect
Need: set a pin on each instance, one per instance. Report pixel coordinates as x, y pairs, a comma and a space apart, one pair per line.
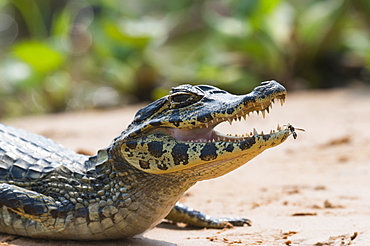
292, 130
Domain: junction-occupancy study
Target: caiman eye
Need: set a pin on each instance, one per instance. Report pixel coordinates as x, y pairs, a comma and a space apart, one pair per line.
180, 97
183, 99
184, 95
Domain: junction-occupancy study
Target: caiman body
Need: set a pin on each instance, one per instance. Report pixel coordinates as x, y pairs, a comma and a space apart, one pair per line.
48, 191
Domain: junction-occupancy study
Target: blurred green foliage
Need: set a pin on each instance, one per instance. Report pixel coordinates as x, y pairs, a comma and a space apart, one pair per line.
75, 54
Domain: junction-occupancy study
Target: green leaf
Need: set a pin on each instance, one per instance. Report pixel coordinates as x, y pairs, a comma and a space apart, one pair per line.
133, 41
39, 55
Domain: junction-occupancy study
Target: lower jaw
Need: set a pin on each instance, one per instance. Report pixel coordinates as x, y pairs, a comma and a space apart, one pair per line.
219, 168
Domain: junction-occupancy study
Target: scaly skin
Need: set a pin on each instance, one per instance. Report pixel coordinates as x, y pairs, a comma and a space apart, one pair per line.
48, 191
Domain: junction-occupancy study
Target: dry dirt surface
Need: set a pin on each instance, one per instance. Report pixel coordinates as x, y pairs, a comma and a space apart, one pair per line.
314, 190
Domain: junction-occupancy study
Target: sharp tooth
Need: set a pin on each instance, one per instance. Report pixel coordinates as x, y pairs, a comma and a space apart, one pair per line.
206, 124
262, 133
248, 113
281, 101
263, 114
239, 118
230, 121
271, 132
273, 100
255, 131
268, 109
278, 127
244, 117
200, 126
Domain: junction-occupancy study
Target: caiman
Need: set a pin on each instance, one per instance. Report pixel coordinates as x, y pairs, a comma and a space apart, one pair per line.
48, 191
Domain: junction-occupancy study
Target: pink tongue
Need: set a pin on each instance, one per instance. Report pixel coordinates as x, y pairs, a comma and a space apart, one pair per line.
202, 134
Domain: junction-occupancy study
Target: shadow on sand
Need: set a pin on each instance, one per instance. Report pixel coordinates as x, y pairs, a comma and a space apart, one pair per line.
134, 241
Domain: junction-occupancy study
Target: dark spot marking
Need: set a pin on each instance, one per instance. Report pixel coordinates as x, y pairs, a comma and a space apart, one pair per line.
204, 118
266, 137
230, 110
176, 123
247, 144
156, 135
229, 148
180, 154
131, 145
144, 164
156, 149
209, 152
155, 123
162, 166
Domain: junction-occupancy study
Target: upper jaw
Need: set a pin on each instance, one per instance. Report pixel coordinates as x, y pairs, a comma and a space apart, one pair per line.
204, 131
242, 111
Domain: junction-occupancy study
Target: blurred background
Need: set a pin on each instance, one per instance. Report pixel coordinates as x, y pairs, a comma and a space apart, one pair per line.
66, 55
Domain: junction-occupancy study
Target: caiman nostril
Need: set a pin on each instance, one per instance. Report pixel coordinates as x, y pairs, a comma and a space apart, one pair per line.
264, 83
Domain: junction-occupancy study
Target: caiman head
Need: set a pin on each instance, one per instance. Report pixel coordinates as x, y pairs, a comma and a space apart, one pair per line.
176, 133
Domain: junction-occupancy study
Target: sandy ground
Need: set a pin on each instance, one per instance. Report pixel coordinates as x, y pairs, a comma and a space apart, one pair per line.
314, 190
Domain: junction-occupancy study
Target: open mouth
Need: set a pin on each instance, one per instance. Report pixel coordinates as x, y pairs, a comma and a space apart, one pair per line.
205, 132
